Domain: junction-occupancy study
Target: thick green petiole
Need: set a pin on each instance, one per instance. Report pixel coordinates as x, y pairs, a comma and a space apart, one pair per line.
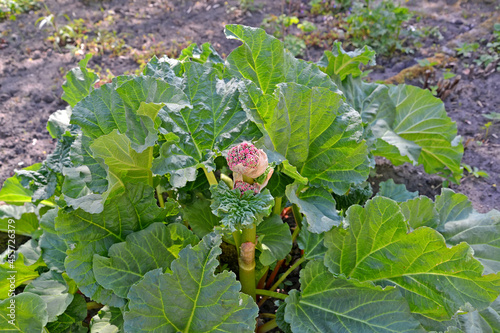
246, 261
159, 193
210, 176
267, 326
277, 206
270, 293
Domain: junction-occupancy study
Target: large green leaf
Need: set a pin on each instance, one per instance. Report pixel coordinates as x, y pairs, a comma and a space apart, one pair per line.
482, 233
108, 320
339, 63
53, 289
53, 246
122, 163
407, 124
59, 122
192, 298
328, 303
485, 321
260, 59
143, 98
436, 280
131, 211
312, 244
14, 193
154, 247
78, 264
29, 314
81, 154
71, 320
19, 267
215, 121
317, 205
23, 220
76, 192
162, 69
100, 113
274, 240
420, 212
452, 206
396, 192
418, 126
317, 133
45, 179
79, 82
263, 60
200, 217
53, 250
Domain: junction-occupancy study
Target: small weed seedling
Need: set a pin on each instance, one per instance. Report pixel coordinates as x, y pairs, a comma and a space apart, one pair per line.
474, 171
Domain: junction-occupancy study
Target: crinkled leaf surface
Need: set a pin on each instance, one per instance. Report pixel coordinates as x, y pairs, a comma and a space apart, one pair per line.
260, 59
53, 289
192, 298
318, 134
420, 212
108, 320
419, 118
101, 112
45, 179
436, 280
263, 60
131, 211
396, 192
240, 210
78, 264
201, 55
154, 247
274, 239
143, 97
280, 319
30, 314
482, 233
452, 206
317, 205
215, 122
76, 192
79, 82
407, 124
81, 154
59, 122
122, 163
334, 304
339, 63
162, 69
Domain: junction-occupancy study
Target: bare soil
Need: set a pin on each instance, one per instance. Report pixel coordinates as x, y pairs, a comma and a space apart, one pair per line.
32, 72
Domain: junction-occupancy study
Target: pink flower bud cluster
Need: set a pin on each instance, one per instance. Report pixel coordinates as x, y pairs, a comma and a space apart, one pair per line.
243, 186
247, 160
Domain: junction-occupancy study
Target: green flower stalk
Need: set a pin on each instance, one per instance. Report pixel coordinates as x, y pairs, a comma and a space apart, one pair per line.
243, 207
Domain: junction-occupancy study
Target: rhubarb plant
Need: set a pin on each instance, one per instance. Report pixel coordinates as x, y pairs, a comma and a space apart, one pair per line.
231, 195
